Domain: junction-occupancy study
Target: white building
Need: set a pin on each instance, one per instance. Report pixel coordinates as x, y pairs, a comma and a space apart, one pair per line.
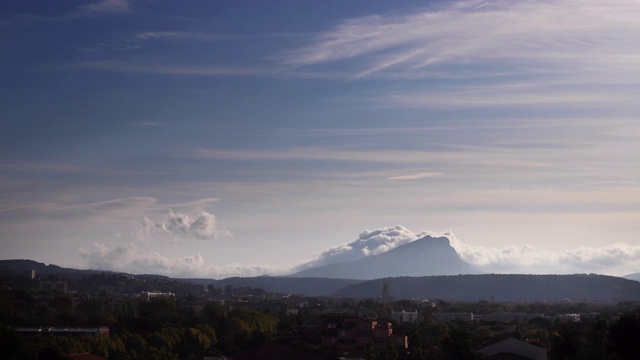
452, 316
403, 316
511, 317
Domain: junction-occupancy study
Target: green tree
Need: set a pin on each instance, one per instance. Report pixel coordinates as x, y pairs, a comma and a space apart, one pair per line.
163, 310
597, 340
567, 343
193, 342
457, 345
417, 354
390, 352
12, 345
432, 334
369, 351
624, 335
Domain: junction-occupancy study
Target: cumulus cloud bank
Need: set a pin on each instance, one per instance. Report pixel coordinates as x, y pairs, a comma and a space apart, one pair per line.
613, 259
201, 225
129, 258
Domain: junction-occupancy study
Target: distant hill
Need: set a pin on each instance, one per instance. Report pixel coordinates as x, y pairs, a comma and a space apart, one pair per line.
634, 276
600, 288
286, 285
422, 257
502, 287
25, 265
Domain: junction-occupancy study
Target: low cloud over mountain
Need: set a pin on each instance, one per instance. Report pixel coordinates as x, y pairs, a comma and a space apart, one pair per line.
423, 257
613, 259
370, 242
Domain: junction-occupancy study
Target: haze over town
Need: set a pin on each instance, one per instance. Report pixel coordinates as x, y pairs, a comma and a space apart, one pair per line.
224, 138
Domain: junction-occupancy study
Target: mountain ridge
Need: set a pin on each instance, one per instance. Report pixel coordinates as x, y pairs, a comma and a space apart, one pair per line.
518, 287
426, 256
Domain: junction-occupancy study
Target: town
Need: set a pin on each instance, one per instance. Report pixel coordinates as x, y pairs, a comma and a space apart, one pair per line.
122, 316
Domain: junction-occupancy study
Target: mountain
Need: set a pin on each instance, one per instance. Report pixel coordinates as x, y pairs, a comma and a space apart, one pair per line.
422, 257
634, 276
501, 287
25, 265
514, 287
287, 285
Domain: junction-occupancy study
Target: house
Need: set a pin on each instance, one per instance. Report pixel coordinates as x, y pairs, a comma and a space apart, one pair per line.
208, 355
523, 349
84, 356
495, 327
281, 352
342, 333
72, 332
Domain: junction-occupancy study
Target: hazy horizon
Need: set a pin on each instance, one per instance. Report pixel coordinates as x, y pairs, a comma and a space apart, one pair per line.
216, 139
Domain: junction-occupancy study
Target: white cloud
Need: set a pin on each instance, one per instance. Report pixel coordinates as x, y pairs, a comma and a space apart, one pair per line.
613, 259
113, 208
417, 176
461, 156
201, 225
107, 6
370, 242
128, 258
550, 34
493, 97
142, 231
528, 54
170, 69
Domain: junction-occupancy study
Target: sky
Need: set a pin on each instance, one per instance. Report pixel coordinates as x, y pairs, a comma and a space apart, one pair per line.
240, 138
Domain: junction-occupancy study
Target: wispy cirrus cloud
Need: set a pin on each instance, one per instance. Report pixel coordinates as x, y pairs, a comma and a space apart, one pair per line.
549, 55
170, 69
374, 156
107, 6
520, 36
488, 97
416, 176
122, 207
140, 40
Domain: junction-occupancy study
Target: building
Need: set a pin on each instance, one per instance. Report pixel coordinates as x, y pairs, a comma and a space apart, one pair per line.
208, 355
568, 317
342, 333
84, 356
281, 352
403, 316
386, 294
151, 295
523, 349
55, 286
510, 317
452, 316
495, 327
273, 307
73, 332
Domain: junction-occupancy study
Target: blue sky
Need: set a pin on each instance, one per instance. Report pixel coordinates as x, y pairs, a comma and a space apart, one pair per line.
220, 138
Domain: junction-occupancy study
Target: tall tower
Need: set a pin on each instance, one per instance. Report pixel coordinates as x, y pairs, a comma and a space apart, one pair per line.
385, 292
